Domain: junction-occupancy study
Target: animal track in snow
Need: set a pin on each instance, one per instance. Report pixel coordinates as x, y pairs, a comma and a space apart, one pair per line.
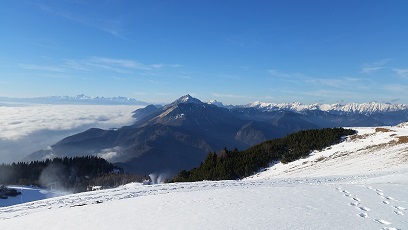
386, 202
354, 203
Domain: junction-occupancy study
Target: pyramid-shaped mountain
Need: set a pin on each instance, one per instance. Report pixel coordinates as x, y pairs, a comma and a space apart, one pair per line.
174, 137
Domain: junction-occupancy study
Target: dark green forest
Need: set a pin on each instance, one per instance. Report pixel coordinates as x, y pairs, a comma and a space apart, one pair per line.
74, 174
234, 164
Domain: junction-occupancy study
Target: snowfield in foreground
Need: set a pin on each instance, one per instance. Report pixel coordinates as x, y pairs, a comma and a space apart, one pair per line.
361, 183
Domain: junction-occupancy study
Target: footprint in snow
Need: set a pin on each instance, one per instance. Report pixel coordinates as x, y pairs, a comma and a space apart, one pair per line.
356, 199
363, 215
399, 207
354, 203
382, 221
399, 213
364, 209
386, 202
390, 228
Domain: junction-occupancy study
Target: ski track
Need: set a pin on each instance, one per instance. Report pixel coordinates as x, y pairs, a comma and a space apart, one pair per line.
382, 198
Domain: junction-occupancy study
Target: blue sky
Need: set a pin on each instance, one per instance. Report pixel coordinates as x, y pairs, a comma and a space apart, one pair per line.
234, 51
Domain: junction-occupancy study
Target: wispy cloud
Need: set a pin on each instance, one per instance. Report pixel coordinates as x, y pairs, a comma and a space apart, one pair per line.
119, 65
110, 26
42, 68
228, 95
333, 82
122, 66
396, 88
131, 64
159, 66
279, 74
401, 72
158, 82
370, 68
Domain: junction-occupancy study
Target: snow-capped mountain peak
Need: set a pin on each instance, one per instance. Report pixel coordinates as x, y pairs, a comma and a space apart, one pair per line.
187, 99
217, 103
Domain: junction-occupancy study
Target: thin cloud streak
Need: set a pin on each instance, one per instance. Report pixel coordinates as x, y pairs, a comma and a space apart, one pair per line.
106, 25
304, 79
92, 64
396, 88
403, 73
42, 68
374, 67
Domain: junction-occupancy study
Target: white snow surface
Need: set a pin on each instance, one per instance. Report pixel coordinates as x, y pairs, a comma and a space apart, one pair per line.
361, 183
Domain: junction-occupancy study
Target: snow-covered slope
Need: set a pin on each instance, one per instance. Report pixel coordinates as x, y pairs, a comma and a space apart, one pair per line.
370, 150
361, 183
30, 194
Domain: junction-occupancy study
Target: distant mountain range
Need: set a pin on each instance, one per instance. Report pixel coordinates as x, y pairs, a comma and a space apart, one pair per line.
79, 99
179, 135
360, 108
363, 108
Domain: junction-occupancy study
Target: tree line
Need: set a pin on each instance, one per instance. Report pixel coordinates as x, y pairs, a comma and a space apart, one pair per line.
234, 164
76, 174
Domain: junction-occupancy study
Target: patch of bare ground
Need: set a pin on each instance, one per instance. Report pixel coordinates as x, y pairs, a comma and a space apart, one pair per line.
339, 154
399, 140
379, 146
382, 130
358, 137
402, 140
321, 158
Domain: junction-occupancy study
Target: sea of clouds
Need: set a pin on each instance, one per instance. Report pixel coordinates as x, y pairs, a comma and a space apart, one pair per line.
25, 129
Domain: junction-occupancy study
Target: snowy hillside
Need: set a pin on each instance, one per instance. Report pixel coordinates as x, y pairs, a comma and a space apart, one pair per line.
370, 150
361, 183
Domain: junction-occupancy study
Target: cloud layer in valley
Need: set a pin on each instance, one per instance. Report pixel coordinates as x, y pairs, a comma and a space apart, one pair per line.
25, 129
